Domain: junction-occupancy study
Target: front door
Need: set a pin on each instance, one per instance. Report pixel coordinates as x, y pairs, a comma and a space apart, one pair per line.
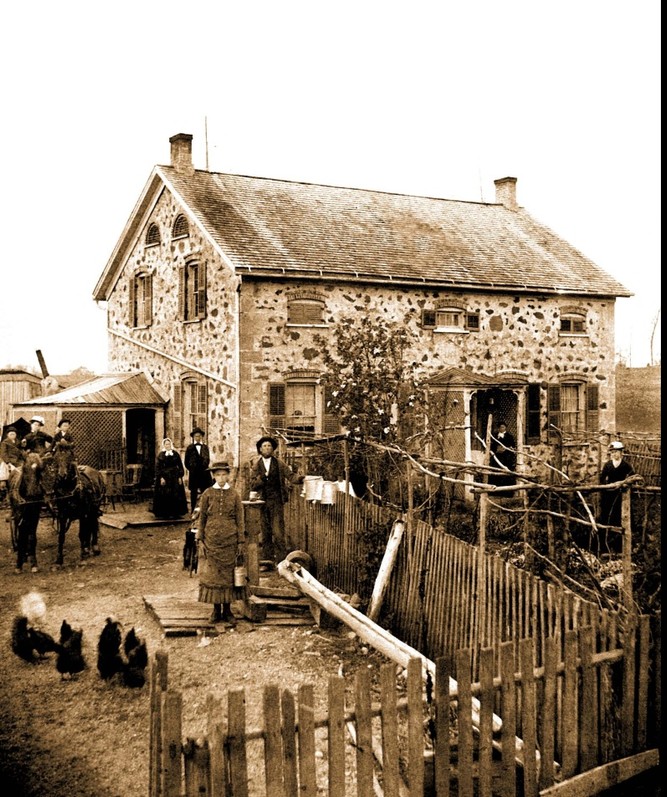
501, 405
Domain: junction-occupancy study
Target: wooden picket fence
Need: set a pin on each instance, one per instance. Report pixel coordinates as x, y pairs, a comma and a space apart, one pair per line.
581, 716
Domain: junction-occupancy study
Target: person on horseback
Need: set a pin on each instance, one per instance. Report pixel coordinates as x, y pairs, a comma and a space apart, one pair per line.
62, 439
11, 457
37, 441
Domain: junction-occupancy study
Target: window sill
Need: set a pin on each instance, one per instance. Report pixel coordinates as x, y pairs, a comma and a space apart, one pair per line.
451, 330
315, 326
573, 335
192, 320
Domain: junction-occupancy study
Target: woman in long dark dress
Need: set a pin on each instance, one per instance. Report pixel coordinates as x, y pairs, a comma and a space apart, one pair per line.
220, 531
169, 499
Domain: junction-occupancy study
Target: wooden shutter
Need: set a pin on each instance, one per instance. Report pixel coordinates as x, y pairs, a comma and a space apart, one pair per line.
303, 312
131, 292
533, 414
553, 413
181, 293
277, 406
177, 413
202, 405
428, 318
200, 297
148, 299
592, 408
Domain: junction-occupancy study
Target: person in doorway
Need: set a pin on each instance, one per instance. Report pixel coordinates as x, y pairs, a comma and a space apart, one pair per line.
272, 479
615, 469
169, 499
221, 538
37, 441
197, 459
503, 455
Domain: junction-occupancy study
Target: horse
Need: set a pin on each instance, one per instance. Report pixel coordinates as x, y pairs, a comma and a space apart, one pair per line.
74, 492
26, 499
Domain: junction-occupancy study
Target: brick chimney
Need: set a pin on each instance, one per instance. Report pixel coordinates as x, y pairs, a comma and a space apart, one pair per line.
181, 153
506, 192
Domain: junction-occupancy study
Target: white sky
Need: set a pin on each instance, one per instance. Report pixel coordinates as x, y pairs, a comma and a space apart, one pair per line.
436, 98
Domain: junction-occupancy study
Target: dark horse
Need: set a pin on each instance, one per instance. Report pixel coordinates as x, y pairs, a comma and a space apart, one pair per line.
26, 498
74, 492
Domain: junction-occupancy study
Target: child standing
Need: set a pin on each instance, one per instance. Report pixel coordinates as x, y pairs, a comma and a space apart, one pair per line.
221, 535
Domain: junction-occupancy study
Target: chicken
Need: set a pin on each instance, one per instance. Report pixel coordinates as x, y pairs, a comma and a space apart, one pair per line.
70, 657
30, 643
136, 655
109, 658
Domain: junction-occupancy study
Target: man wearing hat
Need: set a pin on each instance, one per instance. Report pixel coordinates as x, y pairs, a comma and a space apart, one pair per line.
62, 439
273, 480
197, 458
37, 440
616, 469
10, 451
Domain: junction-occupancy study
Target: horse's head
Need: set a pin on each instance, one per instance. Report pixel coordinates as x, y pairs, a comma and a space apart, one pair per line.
60, 472
29, 481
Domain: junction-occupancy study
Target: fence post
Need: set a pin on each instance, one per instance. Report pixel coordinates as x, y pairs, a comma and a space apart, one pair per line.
158, 684
172, 752
627, 548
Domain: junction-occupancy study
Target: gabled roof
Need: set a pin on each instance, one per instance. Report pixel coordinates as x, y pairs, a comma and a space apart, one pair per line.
269, 228
109, 389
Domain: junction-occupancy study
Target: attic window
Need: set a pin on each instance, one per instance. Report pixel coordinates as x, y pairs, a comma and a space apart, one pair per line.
450, 319
305, 312
153, 235
181, 227
573, 324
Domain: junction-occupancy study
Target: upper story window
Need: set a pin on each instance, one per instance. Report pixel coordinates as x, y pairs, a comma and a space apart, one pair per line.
181, 227
572, 323
450, 319
192, 291
141, 300
153, 235
305, 308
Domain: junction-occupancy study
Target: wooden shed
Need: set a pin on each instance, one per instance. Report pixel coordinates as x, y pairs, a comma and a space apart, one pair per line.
116, 421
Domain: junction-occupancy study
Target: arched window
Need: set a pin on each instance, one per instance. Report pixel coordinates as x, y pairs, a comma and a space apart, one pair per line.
181, 227
305, 308
153, 235
572, 323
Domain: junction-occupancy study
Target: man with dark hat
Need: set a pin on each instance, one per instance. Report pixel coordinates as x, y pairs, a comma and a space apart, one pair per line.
615, 469
196, 460
10, 451
273, 480
62, 439
37, 440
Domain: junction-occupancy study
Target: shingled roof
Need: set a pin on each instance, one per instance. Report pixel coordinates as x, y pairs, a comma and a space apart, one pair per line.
268, 228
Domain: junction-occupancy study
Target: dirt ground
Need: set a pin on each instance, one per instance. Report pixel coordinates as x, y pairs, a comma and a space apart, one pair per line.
89, 738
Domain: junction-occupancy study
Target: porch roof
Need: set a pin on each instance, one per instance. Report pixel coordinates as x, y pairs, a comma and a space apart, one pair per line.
122, 389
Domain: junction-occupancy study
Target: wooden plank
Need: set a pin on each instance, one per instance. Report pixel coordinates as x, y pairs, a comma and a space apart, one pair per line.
273, 752
236, 743
487, 699
465, 749
644, 672
597, 781
364, 731
629, 674
172, 707
588, 722
508, 713
442, 751
569, 709
336, 740
307, 760
385, 570
415, 728
548, 716
197, 769
275, 592
528, 716
289, 743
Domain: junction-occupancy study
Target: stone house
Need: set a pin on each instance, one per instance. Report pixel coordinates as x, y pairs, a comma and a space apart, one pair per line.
219, 283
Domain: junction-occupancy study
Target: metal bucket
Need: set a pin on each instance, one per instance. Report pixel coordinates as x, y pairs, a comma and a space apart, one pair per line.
240, 575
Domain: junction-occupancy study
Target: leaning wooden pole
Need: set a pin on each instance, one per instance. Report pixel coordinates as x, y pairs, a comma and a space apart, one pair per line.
388, 561
383, 641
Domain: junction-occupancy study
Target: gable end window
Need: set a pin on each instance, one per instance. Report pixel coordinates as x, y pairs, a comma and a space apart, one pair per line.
192, 291
181, 227
450, 319
153, 235
305, 312
573, 324
140, 300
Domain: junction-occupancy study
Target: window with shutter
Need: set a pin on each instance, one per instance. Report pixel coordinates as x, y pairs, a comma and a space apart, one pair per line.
131, 302
192, 291
330, 422
176, 413
428, 318
573, 324
553, 413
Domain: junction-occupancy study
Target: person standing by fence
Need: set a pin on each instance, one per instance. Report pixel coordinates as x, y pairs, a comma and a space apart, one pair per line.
221, 535
273, 480
615, 469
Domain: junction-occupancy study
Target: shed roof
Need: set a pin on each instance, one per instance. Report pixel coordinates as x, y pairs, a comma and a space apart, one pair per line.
120, 389
267, 228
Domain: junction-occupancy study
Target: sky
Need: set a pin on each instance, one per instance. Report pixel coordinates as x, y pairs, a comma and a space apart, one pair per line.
432, 98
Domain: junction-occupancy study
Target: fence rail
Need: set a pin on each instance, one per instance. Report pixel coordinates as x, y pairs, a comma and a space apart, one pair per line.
574, 713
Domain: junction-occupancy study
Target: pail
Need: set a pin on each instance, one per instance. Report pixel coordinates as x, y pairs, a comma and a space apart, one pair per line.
329, 493
240, 575
312, 488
